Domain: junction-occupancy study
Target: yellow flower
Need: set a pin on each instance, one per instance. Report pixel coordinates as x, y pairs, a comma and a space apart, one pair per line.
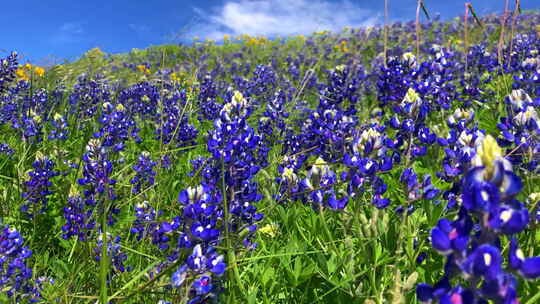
39, 71
142, 68
270, 229
342, 46
28, 66
21, 74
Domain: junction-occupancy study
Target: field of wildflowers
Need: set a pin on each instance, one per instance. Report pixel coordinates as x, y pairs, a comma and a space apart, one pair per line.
392, 164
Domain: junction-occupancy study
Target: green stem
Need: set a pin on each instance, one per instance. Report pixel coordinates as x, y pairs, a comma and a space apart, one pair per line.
230, 250
325, 226
103, 261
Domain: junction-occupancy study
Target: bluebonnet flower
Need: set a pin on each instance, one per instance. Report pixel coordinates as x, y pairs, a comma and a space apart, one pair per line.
460, 119
263, 82
326, 129
174, 127
78, 215
288, 179
87, 95
37, 102
15, 273
472, 242
116, 127
413, 136
114, 252
201, 213
367, 157
272, 122
394, 79
207, 99
202, 265
38, 187
30, 127
98, 185
416, 190
166, 162
141, 100
525, 63
146, 221
164, 233
459, 148
8, 66
60, 128
97, 170
145, 176
6, 149
316, 189
521, 130
227, 176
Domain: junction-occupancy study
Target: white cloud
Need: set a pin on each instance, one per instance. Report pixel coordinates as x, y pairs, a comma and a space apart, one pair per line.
281, 17
69, 32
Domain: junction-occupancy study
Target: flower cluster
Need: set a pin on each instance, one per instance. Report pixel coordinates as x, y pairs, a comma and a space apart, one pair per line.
368, 156
207, 99
78, 216
116, 127
416, 190
38, 187
224, 197
97, 170
473, 242
87, 94
201, 267
15, 273
8, 66
272, 124
173, 126
521, 130
146, 220
141, 100
60, 128
114, 253
6, 149
145, 175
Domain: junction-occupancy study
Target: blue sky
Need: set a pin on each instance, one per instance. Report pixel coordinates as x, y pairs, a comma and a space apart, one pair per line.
48, 31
